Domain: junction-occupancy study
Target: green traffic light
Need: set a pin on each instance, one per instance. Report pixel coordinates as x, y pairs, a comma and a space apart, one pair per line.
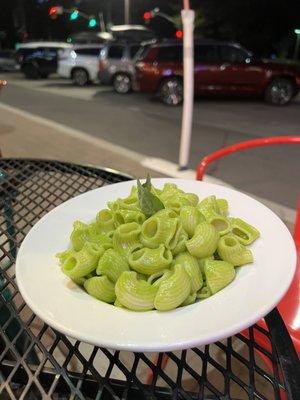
297, 31
92, 23
74, 15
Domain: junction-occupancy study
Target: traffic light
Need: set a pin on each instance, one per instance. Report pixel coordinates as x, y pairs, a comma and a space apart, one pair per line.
74, 15
92, 22
179, 34
55, 11
147, 16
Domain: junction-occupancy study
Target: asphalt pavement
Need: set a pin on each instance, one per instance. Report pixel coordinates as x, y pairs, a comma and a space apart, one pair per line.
140, 123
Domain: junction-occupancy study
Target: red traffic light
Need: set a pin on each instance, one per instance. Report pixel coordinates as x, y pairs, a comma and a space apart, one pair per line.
179, 34
147, 15
53, 11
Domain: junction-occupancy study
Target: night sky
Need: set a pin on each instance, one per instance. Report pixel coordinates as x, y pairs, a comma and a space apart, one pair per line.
264, 26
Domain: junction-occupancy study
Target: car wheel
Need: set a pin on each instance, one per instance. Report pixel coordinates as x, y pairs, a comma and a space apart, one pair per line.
80, 77
31, 72
122, 83
171, 91
280, 92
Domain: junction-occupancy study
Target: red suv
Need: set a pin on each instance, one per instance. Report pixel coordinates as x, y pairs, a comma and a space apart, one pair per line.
220, 68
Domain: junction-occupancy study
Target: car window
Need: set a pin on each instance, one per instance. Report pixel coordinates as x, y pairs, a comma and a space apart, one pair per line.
206, 53
88, 51
232, 54
115, 52
170, 53
49, 52
142, 51
133, 50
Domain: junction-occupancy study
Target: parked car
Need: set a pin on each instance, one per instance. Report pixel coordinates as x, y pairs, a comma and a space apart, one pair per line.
80, 63
223, 68
7, 60
39, 59
116, 65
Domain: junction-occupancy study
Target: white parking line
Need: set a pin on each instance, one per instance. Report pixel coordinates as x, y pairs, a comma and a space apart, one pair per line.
156, 164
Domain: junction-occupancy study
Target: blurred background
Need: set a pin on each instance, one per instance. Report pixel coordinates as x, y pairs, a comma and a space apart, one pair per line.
100, 81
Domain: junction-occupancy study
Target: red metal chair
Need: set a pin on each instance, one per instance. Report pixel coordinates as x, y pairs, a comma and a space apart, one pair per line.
2, 84
289, 307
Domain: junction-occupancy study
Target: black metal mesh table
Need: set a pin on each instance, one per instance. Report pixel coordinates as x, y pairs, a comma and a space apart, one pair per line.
36, 362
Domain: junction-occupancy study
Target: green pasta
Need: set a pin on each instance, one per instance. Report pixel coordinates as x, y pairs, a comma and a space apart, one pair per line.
105, 220
190, 217
190, 264
157, 249
101, 288
166, 213
182, 238
192, 198
150, 261
157, 278
203, 293
156, 231
190, 299
126, 237
79, 235
134, 294
176, 203
223, 207
221, 223
112, 264
218, 274
231, 250
95, 235
244, 232
209, 203
204, 242
173, 291
62, 256
82, 262
125, 216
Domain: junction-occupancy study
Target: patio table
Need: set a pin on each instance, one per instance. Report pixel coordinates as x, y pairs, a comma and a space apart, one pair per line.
37, 362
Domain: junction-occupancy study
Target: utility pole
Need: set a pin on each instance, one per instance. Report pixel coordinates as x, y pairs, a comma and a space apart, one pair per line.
126, 12
297, 45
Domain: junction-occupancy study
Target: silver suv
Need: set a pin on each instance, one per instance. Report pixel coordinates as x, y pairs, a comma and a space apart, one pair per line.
116, 66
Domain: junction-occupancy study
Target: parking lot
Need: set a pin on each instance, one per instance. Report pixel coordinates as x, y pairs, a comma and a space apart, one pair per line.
98, 111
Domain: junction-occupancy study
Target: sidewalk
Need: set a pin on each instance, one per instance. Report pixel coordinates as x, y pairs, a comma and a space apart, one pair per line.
22, 137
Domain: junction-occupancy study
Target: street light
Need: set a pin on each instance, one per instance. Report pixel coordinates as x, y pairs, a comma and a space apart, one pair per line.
296, 51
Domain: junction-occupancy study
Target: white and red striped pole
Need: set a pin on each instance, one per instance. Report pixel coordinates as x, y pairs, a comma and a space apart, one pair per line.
188, 17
